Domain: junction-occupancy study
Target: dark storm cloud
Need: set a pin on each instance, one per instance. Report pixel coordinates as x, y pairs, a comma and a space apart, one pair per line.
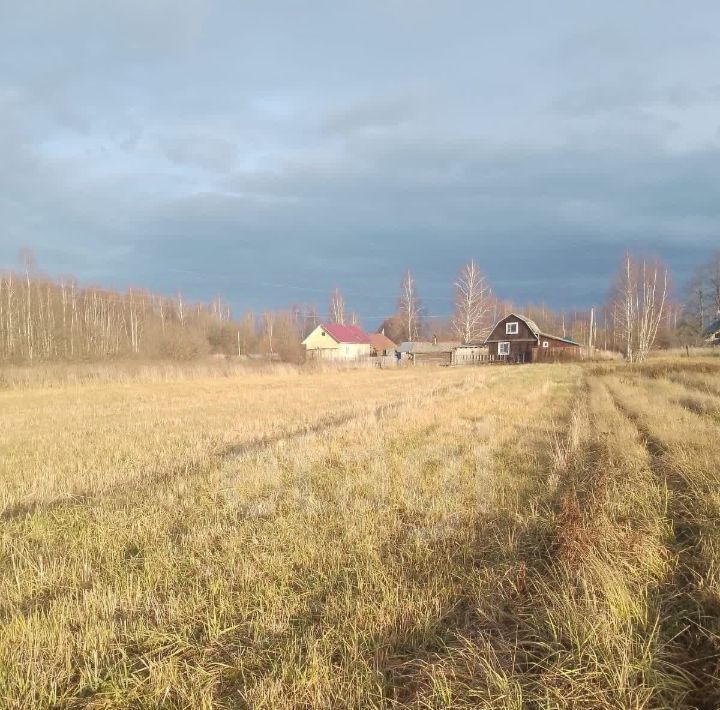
272, 151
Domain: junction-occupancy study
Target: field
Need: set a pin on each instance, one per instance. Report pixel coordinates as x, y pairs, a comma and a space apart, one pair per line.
495, 537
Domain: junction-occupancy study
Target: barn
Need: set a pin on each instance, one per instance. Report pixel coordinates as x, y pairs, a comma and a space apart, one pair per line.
333, 341
516, 338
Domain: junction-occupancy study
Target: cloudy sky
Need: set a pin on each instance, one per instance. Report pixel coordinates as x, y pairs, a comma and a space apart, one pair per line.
269, 151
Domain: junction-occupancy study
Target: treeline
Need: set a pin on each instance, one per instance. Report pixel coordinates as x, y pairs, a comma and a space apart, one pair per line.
637, 307
702, 300
43, 319
638, 315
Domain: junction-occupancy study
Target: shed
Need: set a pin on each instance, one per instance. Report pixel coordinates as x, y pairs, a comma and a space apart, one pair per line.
431, 351
381, 345
469, 353
711, 334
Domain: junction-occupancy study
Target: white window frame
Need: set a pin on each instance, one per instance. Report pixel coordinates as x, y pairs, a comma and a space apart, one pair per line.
504, 348
512, 328
546, 344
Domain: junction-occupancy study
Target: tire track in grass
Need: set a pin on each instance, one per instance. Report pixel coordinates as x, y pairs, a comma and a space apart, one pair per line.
20, 511
337, 421
683, 608
205, 654
189, 469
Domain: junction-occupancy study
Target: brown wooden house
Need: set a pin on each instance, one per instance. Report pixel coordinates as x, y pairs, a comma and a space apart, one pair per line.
516, 338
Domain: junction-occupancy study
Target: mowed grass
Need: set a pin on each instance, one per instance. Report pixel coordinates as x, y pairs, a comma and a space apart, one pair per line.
532, 536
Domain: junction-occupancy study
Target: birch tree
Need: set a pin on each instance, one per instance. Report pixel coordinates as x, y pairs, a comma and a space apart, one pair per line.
702, 302
337, 307
409, 307
640, 300
714, 282
269, 327
472, 304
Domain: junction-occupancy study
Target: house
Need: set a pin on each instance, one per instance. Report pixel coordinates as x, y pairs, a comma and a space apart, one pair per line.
516, 338
430, 352
333, 341
381, 345
711, 334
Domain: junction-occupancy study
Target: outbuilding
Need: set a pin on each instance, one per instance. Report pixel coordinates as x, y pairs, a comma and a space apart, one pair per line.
428, 352
712, 333
469, 354
381, 345
516, 338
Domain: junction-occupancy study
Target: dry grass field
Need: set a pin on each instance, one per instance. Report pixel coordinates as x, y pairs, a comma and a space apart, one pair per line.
541, 536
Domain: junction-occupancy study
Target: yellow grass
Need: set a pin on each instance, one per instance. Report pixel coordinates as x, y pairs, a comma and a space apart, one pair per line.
499, 537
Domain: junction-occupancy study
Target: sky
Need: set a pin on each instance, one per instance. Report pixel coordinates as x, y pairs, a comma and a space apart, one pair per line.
271, 151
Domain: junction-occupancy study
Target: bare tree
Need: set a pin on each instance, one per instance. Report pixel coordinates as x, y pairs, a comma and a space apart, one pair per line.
28, 260
640, 297
702, 302
471, 320
269, 327
714, 282
409, 307
180, 309
337, 307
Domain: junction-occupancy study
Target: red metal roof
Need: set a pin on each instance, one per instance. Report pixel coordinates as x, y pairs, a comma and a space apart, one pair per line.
346, 333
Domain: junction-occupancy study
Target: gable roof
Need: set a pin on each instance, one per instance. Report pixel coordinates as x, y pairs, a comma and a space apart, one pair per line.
534, 329
346, 333
531, 324
380, 341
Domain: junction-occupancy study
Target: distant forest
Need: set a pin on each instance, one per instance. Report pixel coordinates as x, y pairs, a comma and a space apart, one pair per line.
44, 319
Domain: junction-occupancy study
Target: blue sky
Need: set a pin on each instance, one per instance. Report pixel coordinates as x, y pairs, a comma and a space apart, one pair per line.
272, 151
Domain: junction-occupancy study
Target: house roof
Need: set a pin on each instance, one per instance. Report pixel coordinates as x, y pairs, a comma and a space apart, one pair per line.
713, 328
380, 341
534, 329
570, 341
428, 346
346, 333
531, 324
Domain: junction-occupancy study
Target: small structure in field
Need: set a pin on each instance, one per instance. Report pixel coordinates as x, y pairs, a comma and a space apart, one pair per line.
381, 345
469, 353
428, 352
332, 341
712, 333
516, 338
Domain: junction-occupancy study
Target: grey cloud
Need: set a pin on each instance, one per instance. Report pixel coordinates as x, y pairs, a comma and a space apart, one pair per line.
217, 146
370, 115
202, 151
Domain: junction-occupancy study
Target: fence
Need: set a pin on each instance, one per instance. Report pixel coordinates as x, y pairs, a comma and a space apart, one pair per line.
486, 358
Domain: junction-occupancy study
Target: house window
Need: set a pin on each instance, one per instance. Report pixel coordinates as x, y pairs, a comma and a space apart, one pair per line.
503, 348
546, 344
511, 328
323, 333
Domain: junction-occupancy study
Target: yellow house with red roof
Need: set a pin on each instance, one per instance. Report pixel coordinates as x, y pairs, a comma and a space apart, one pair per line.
333, 341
